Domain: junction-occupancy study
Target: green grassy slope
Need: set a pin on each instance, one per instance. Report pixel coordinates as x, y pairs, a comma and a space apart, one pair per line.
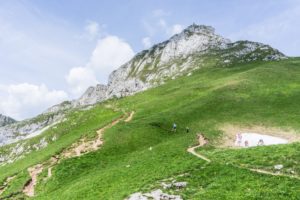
264, 93
78, 124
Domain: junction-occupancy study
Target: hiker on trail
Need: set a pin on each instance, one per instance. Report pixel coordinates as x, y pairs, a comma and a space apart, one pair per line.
246, 143
187, 129
239, 139
260, 142
174, 127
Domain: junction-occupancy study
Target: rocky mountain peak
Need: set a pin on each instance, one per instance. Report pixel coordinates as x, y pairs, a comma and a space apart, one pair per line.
195, 47
195, 38
198, 29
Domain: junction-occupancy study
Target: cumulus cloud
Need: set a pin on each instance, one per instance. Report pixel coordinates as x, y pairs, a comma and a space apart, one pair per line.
171, 30
110, 53
147, 42
80, 78
22, 100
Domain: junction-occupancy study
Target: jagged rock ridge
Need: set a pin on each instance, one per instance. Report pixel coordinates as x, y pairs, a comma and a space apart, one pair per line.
28, 128
181, 54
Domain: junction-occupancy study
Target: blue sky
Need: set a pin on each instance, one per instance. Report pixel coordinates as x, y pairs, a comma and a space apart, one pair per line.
52, 50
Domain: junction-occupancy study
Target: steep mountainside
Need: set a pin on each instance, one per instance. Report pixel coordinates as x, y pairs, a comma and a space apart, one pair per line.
98, 153
196, 47
126, 148
193, 48
4, 120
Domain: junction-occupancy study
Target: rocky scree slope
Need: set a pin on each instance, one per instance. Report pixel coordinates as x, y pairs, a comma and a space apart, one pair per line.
195, 47
28, 128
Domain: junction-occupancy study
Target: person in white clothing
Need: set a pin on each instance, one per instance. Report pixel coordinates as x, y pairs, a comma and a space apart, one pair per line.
239, 139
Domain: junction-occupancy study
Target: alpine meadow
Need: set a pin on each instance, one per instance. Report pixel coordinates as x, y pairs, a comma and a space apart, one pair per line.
197, 116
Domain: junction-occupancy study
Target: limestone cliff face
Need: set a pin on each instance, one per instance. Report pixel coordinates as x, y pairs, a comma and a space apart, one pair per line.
181, 54
28, 128
92, 95
193, 39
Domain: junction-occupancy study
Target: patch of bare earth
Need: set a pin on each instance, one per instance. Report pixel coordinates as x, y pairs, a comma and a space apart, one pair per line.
33, 172
86, 146
53, 161
129, 118
261, 171
230, 131
201, 142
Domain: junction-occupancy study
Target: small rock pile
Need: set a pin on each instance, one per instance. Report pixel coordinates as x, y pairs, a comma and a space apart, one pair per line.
177, 185
159, 194
156, 195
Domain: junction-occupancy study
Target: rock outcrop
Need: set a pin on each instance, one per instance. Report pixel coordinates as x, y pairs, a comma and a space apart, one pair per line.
181, 54
155, 194
28, 128
4, 120
93, 95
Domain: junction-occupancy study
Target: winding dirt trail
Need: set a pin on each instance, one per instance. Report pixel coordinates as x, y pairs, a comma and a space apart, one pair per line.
33, 172
84, 146
80, 148
202, 141
129, 118
261, 171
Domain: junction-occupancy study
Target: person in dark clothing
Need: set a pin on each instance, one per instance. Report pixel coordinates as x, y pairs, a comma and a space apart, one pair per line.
174, 127
187, 129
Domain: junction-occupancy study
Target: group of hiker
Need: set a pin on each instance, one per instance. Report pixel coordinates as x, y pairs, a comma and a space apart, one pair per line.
239, 139
174, 128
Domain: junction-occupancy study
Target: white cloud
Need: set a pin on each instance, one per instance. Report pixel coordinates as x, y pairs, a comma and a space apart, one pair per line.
147, 42
22, 100
79, 79
175, 29
170, 30
110, 53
